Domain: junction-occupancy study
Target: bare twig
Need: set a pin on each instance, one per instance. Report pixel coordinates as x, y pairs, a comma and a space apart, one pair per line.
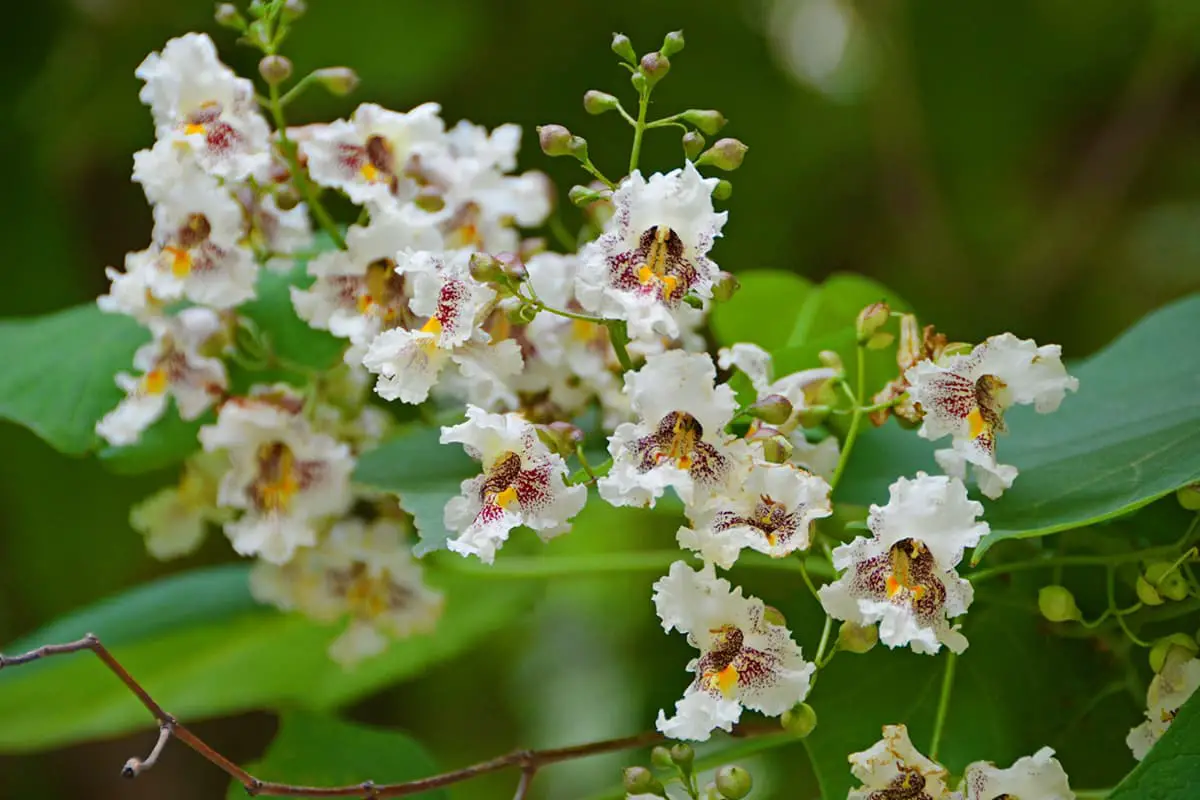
530, 761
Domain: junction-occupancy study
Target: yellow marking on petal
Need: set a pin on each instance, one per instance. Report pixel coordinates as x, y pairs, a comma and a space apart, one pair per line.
771, 539
155, 381
193, 127
978, 425
364, 303
181, 261
506, 498
369, 172
277, 483
724, 681
367, 597
433, 326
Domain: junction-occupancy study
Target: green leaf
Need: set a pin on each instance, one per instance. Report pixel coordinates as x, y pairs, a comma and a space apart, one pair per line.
1129, 436
761, 310
202, 647
424, 473
291, 338
1169, 771
317, 750
58, 378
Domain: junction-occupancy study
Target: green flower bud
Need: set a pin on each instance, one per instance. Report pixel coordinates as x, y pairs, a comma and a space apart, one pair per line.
512, 267
655, 67
708, 120
1166, 581
485, 268
857, 638
683, 755
693, 301
830, 359
430, 198
870, 320
661, 758
733, 782
1162, 648
1147, 593
693, 145
624, 48
880, 340
294, 9
1189, 496
561, 437
258, 33
801, 719
583, 195
639, 780
555, 140
1057, 604
639, 81
595, 102
227, 16
725, 287
773, 616
723, 190
275, 69
338, 81
672, 43
773, 409
726, 154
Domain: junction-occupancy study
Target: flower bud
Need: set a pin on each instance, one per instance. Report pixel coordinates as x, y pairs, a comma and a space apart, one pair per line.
258, 34
870, 320
1166, 580
485, 268
723, 190
639, 82
777, 449
773, 616
855, 638
294, 9
1057, 604
655, 67
1162, 648
227, 16
693, 145
430, 198
773, 409
583, 195
1147, 593
1189, 496
725, 286
800, 719
595, 102
623, 47
338, 81
693, 301
561, 437
287, 197
511, 266
525, 314
830, 359
275, 69
639, 780
733, 782
555, 140
708, 120
661, 758
683, 755
726, 154
672, 43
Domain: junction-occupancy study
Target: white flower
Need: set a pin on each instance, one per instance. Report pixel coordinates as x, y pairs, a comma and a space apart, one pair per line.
175, 519
453, 305
903, 575
522, 484
965, 397
1169, 690
769, 510
679, 440
361, 571
171, 366
199, 257
273, 229
199, 104
744, 660
368, 157
892, 768
360, 292
130, 292
281, 474
1038, 777
653, 253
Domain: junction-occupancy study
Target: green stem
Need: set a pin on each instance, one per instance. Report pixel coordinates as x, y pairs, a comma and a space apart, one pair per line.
855, 421
824, 641
981, 575
596, 173
639, 128
618, 334
562, 312
808, 581
297, 90
563, 236
1189, 554
1112, 605
939, 722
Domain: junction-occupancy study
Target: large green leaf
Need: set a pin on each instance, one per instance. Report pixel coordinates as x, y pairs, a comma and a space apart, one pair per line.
761, 311
1169, 771
317, 750
424, 473
58, 372
1129, 436
202, 647
290, 337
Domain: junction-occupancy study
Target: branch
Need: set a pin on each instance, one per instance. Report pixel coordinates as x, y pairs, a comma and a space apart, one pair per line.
529, 761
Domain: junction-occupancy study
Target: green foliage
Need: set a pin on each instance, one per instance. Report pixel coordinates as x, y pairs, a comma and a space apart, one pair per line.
201, 645
1169, 771
290, 338
58, 378
1129, 436
316, 750
761, 309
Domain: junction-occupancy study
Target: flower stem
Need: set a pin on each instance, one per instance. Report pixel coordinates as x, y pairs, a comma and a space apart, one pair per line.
981, 575
824, 641
297, 90
618, 334
639, 128
1112, 605
939, 722
288, 148
855, 421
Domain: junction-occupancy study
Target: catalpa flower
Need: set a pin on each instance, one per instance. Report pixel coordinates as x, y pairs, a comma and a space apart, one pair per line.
522, 483
368, 157
172, 365
893, 769
452, 305
769, 510
363, 572
903, 575
283, 476
129, 291
966, 397
1038, 776
200, 105
175, 519
1169, 690
679, 440
745, 660
653, 253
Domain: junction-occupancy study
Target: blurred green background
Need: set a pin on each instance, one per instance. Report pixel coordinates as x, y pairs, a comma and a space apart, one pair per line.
1031, 166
